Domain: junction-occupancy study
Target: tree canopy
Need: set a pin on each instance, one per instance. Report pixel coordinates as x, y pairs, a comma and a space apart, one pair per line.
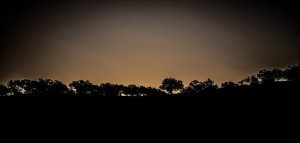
171, 84
275, 81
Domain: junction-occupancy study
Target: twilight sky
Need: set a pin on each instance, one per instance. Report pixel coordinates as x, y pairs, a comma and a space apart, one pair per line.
142, 42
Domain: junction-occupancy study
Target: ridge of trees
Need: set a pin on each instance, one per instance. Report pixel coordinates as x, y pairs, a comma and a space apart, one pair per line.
266, 82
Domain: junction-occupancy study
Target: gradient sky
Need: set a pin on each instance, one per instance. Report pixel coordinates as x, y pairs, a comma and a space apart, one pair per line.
142, 42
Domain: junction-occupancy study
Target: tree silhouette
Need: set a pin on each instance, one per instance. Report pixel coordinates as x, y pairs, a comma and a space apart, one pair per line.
266, 82
132, 90
269, 77
107, 89
3, 90
251, 80
292, 73
83, 87
48, 87
171, 84
229, 85
15, 88
143, 91
42, 87
149, 91
196, 87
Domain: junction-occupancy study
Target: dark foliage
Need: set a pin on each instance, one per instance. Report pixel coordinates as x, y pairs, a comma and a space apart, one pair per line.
171, 84
83, 88
265, 83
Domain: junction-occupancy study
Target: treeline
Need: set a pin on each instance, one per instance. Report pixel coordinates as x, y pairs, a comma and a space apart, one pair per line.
266, 82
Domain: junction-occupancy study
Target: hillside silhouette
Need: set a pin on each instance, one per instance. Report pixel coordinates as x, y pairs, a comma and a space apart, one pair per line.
265, 83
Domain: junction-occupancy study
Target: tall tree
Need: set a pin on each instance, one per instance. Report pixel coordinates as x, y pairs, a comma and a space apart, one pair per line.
171, 84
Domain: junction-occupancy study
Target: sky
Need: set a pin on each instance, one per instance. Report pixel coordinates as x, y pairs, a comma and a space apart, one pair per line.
142, 42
